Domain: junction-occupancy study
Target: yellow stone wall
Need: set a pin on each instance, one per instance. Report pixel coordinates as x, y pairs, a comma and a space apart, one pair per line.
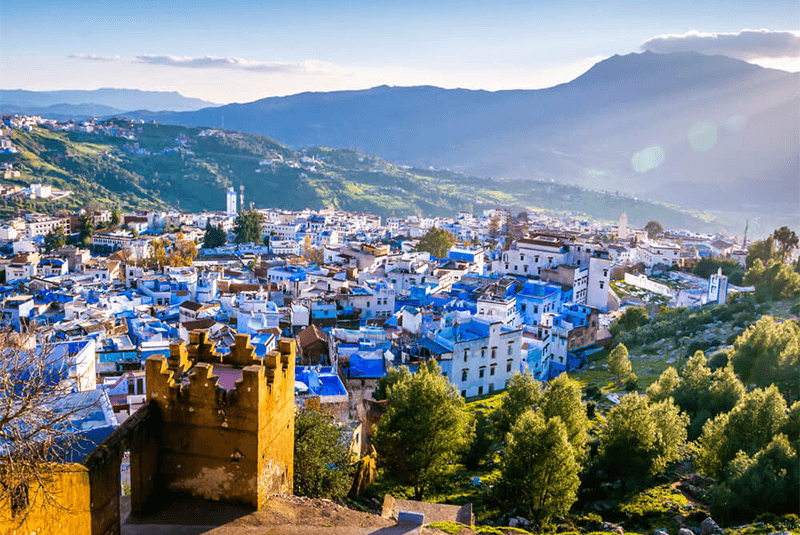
67, 509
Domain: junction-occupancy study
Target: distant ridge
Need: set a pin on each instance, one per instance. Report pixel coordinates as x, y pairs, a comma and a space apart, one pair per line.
117, 99
583, 132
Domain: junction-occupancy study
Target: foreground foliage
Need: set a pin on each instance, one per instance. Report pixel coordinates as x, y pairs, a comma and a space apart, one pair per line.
424, 429
323, 463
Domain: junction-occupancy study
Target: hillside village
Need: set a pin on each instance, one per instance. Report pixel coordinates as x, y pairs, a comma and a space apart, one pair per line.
313, 308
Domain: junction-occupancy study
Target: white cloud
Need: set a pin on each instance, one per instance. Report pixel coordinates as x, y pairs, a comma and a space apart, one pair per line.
746, 44
93, 57
214, 62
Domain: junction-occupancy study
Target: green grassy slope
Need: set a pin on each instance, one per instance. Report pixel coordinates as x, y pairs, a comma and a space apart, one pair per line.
106, 170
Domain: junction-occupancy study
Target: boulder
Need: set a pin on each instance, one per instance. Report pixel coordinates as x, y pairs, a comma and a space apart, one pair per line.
709, 527
519, 522
684, 531
662, 531
612, 528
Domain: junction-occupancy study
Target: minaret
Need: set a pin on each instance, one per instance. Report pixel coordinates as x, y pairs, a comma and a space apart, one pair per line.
241, 197
231, 197
622, 229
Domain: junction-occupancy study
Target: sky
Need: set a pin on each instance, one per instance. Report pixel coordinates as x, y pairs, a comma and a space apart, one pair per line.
243, 50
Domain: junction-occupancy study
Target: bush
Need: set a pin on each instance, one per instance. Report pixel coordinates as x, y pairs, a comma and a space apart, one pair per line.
631, 382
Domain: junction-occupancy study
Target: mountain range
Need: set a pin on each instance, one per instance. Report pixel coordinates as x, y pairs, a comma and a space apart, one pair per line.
709, 133
94, 103
706, 132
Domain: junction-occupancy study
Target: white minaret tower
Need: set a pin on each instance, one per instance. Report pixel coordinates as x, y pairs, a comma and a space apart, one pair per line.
241, 197
622, 229
231, 202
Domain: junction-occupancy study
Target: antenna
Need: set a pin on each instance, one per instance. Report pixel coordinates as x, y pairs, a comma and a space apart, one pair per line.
746, 226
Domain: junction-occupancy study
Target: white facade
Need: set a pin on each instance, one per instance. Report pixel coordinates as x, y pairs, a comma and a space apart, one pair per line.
231, 204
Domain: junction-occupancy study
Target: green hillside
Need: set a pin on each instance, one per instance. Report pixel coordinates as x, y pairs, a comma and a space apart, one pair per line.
190, 168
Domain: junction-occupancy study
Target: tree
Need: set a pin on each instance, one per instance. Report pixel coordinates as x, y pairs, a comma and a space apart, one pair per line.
618, 362
768, 352
640, 439
388, 380
540, 473
248, 227
773, 282
323, 463
312, 254
632, 318
115, 217
494, 227
731, 268
562, 399
700, 393
763, 250
55, 239
437, 242
87, 228
424, 429
751, 425
523, 393
183, 252
214, 237
37, 426
653, 229
787, 240
158, 253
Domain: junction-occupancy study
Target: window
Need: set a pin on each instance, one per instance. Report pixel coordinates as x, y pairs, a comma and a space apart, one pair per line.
466, 354
131, 386
508, 366
444, 374
535, 309
492, 369
491, 387
463, 393
481, 372
494, 352
480, 390
601, 284
510, 348
523, 307
464, 375
483, 352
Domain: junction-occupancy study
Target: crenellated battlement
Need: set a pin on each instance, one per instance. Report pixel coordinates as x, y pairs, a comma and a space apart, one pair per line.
232, 445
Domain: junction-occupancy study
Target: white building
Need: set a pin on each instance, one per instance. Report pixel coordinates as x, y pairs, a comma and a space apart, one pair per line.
231, 198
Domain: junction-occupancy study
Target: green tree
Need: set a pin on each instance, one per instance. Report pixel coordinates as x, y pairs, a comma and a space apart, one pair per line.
764, 482
731, 268
540, 473
562, 399
523, 393
751, 425
55, 239
248, 227
640, 439
768, 352
214, 236
437, 242
424, 429
665, 386
632, 318
618, 362
87, 228
787, 241
323, 463
115, 217
773, 282
388, 380
653, 229
763, 250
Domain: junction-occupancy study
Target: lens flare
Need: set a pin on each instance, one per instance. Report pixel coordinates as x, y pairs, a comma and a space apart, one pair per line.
734, 123
702, 136
647, 159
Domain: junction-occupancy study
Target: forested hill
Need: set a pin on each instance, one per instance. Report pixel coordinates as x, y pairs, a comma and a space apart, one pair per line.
159, 166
